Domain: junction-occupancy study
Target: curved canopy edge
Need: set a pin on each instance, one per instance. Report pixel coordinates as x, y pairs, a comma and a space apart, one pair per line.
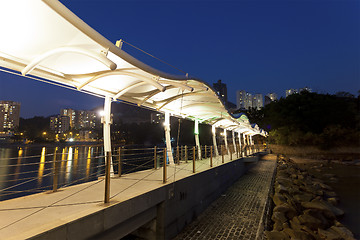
61, 48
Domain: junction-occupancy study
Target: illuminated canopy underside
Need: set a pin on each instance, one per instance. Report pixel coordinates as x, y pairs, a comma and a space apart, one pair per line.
45, 39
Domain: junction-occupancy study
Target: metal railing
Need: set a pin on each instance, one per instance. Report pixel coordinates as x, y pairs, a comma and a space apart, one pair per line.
23, 175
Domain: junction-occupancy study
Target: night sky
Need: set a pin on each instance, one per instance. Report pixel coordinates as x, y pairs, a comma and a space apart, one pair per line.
257, 46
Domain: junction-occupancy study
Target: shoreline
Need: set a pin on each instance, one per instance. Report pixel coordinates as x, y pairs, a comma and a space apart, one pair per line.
342, 154
302, 160
305, 206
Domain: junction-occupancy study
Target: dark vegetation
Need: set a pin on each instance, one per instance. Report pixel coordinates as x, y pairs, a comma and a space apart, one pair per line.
321, 120
33, 128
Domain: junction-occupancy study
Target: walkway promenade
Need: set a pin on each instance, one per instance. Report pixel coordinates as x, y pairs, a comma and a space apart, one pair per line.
60, 215
238, 213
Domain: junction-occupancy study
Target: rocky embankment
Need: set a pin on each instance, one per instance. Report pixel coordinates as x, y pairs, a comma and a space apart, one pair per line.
304, 207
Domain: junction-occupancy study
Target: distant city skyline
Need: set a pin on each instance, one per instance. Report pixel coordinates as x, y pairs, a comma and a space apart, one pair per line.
262, 47
246, 100
98, 102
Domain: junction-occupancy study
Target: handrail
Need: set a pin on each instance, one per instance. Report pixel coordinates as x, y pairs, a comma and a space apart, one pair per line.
56, 168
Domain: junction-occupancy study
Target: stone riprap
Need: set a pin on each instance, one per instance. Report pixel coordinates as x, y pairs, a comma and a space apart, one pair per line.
239, 212
305, 208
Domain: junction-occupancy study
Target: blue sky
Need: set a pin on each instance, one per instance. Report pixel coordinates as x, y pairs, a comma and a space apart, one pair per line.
257, 46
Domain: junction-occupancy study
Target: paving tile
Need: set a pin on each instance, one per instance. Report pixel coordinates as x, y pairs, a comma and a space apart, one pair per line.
237, 213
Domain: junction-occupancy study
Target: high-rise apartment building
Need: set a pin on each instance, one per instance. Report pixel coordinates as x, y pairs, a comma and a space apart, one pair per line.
9, 116
245, 100
221, 90
85, 119
257, 101
80, 119
71, 114
270, 97
60, 124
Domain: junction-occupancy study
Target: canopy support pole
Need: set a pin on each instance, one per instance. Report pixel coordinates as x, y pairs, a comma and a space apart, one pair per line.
245, 150
233, 138
107, 121
225, 140
197, 141
167, 138
251, 143
214, 140
241, 154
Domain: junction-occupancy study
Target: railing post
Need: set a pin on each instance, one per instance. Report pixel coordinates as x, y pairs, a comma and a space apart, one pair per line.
211, 155
177, 155
237, 150
199, 153
107, 176
56, 175
186, 154
194, 155
155, 158
222, 153
182, 153
119, 166
205, 152
164, 166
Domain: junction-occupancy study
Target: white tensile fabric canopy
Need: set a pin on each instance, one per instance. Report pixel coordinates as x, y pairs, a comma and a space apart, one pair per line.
46, 40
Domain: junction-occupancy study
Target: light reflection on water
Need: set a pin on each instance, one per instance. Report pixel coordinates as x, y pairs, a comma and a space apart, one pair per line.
31, 169
88, 161
69, 164
34, 168
41, 166
18, 164
76, 157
